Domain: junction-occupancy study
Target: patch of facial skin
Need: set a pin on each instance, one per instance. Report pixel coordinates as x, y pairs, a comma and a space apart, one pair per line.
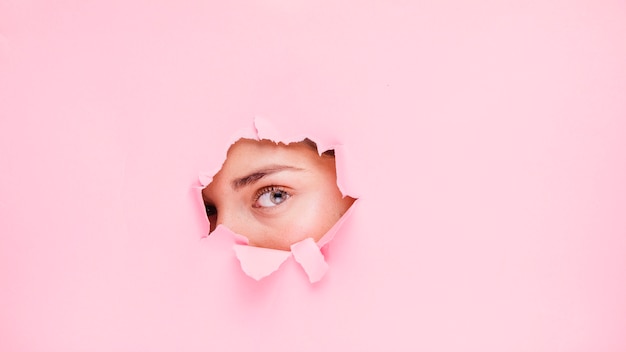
276, 194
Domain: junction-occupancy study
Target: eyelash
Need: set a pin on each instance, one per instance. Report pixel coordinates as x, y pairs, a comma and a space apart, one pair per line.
267, 189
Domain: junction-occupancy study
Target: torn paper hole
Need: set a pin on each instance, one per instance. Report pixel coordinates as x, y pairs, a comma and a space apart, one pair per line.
282, 197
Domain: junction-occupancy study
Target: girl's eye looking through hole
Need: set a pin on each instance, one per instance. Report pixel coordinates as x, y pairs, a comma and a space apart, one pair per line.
211, 210
247, 192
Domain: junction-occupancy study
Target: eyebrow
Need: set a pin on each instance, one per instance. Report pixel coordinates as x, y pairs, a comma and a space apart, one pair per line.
259, 174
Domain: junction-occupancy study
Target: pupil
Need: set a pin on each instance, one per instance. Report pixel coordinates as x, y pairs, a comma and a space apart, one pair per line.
277, 197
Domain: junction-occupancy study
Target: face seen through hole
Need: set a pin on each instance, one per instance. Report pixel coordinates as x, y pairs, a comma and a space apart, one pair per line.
275, 194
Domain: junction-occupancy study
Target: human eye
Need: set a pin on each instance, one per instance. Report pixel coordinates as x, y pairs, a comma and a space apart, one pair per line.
211, 210
211, 213
270, 197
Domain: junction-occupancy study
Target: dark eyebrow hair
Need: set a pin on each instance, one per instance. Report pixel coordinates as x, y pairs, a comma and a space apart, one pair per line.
259, 174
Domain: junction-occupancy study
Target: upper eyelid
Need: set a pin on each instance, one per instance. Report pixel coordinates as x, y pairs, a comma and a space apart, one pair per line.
263, 190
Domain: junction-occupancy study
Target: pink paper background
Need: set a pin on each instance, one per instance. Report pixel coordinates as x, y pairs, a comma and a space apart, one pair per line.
486, 140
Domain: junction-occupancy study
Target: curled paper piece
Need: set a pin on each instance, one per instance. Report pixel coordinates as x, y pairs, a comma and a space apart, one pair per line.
259, 262
308, 255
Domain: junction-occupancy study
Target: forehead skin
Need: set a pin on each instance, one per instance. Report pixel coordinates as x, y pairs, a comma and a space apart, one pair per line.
247, 155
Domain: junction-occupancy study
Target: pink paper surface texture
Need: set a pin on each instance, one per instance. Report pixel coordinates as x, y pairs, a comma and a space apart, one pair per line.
485, 142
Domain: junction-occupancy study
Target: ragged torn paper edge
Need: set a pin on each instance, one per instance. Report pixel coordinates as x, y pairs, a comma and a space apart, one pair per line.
258, 262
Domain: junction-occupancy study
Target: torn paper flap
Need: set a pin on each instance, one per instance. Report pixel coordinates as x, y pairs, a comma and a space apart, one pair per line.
308, 255
259, 262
